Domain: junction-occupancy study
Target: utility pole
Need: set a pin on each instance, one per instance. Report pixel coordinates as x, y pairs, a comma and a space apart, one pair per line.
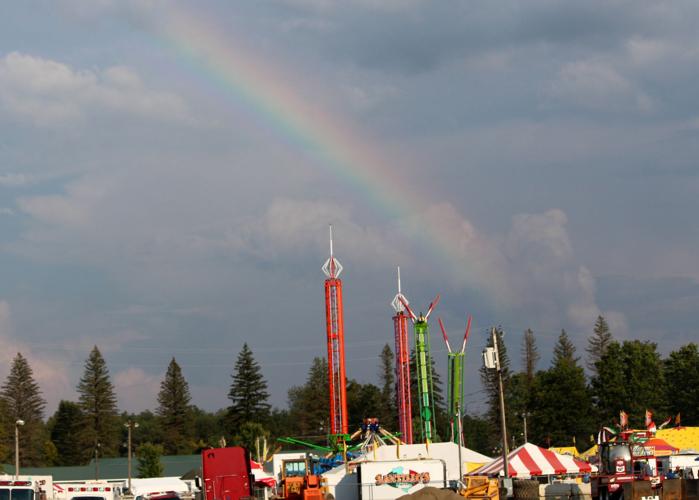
130, 425
491, 360
18, 423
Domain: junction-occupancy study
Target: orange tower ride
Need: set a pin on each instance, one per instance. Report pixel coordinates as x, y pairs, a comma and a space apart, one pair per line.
403, 403
336, 343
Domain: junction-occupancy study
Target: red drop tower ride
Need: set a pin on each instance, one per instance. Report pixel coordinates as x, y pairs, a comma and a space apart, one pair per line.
403, 403
336, 343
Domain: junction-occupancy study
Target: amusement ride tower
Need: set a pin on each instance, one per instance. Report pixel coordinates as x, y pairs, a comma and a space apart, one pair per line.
423, 368
336, 344
455, 382
403, 403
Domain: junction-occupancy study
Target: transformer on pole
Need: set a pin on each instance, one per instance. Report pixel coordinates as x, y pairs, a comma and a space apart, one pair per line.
423, 369
455, 382
336, 344
403, 398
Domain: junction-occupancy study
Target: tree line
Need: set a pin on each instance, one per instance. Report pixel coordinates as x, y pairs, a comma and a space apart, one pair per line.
563, 404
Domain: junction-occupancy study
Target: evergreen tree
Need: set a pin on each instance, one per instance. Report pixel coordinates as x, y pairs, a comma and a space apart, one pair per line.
363, 400
564, 350
149, 464
22, 401
248, 393
99, 408
629, 377
683, 365
67, 422
388, 414
530, 355
309, 404
561, 404
598, 343
174, 411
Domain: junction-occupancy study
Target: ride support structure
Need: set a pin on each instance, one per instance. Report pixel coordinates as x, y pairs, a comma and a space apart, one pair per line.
455, 379
336, 344
402, 349
423, 369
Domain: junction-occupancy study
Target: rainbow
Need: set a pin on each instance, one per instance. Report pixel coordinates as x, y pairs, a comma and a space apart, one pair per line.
243, 76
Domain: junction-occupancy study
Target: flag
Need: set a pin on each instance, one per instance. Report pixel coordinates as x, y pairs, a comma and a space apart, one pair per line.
650, 425
662, 426
623, 420
677, 420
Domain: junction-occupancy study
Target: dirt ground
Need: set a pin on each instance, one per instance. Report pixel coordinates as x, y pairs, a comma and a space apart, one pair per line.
430, 493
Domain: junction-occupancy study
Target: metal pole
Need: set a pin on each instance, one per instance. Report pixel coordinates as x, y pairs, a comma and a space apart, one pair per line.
505, 452
129, 452
16, 451
524, 416
97, 462
461, 463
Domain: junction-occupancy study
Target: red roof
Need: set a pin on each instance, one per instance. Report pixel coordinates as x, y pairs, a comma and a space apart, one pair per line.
530, 460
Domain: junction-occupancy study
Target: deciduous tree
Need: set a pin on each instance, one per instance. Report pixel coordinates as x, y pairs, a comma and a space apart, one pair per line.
682, 389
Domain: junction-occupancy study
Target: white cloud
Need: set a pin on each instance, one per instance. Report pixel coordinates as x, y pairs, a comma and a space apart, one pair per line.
136, 389
49, 93
598, 84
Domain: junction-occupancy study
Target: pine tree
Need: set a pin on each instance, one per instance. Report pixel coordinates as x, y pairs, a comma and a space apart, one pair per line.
388, 415
564, 350
99, 407
248, 393
174, 411
67, 422
309, 404
22, 401
561, 405
598, 343
530, 355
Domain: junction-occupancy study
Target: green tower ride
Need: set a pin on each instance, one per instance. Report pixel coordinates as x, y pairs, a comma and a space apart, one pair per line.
455, 378
423, 370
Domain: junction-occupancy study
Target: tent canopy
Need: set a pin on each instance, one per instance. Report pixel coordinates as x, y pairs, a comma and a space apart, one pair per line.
530, 460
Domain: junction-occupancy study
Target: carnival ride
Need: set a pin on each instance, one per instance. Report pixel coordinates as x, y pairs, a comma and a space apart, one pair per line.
455, 379
423, 369
336, 344
402, 353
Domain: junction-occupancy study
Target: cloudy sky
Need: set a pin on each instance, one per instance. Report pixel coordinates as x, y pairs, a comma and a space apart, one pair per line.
168, 170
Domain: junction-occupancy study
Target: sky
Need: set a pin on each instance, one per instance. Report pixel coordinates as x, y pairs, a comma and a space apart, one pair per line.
168, 171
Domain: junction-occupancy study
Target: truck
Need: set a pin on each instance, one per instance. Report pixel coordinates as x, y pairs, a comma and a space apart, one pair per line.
226, 474
624, 459
26, 487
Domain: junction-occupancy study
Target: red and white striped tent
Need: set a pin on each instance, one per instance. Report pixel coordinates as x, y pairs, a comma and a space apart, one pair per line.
261, 476
530, 460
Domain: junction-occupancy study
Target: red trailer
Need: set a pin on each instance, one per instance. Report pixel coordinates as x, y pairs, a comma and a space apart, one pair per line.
226, 474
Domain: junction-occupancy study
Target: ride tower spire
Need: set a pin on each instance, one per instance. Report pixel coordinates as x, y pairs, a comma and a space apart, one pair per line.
402, 349
336, 343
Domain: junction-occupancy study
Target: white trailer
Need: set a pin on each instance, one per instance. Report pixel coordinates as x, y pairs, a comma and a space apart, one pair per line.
387, 480
85, 490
